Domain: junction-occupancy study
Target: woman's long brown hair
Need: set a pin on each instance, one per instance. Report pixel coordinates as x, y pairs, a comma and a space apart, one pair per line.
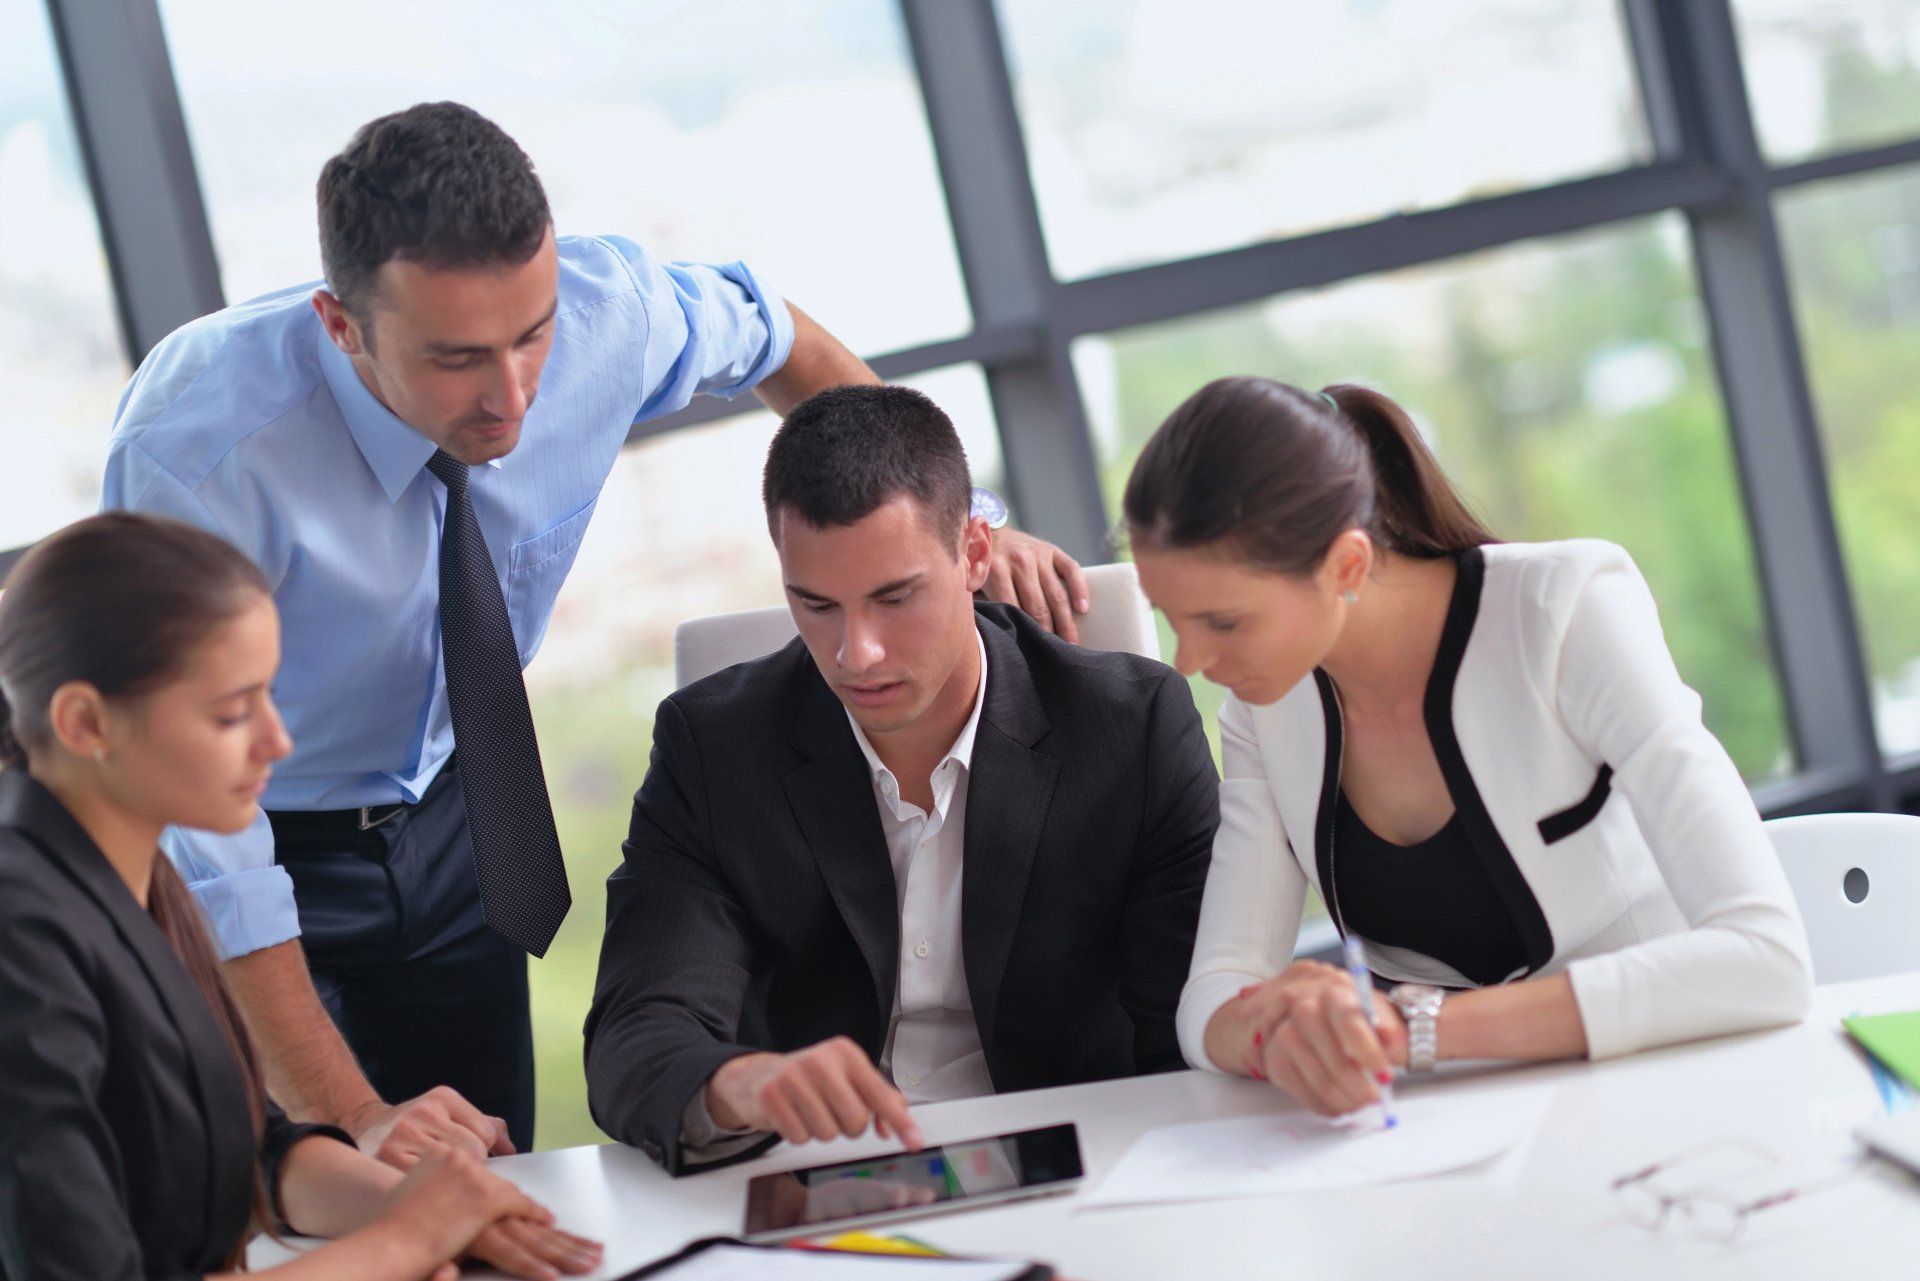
121, 601
1273, 474
177, 913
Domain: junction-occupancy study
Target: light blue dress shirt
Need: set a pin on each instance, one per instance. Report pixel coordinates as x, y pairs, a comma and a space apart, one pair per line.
252, 424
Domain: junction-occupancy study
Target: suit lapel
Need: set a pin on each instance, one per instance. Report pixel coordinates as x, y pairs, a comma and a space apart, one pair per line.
30, 808
832, 798
1009, 789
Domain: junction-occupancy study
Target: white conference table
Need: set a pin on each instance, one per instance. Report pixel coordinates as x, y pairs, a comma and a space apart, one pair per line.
1542, 1210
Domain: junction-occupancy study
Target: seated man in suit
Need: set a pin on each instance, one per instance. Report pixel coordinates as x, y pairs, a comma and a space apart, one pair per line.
925, 851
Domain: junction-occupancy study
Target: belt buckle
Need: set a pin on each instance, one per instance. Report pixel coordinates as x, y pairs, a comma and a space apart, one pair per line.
368, 822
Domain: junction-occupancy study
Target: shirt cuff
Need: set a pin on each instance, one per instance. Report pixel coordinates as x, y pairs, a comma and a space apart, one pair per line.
249, 909
779, 322
703, 1139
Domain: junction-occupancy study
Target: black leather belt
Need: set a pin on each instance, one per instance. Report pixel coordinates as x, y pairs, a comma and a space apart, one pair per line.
319, 822
362, 819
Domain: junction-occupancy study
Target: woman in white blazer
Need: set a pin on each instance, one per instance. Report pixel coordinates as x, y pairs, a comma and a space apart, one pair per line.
1479, 753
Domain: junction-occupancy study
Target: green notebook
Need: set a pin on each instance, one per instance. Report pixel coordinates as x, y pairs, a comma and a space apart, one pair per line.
1894, 1039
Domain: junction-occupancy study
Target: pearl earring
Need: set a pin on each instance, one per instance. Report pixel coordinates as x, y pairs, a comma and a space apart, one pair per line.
99, 756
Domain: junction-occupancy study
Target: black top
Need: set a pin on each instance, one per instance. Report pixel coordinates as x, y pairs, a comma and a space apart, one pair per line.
1434, 898
126, 1150
756, 904
1483, 858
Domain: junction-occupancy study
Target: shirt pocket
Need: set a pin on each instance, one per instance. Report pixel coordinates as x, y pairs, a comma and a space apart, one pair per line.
535, 570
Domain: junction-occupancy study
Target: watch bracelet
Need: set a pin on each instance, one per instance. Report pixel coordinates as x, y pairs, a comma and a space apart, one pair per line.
1423, 1041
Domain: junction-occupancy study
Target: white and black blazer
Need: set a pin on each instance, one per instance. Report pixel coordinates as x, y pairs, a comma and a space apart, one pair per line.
1614, 825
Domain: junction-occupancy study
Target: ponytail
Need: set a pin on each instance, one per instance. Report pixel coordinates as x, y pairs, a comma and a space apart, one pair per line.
1417, 511
1273, 474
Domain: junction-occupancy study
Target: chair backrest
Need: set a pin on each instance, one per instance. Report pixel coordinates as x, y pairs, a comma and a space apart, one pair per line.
1118, 618
1857, 880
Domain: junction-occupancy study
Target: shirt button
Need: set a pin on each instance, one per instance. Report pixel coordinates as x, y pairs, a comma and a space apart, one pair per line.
912, 1079
922, 950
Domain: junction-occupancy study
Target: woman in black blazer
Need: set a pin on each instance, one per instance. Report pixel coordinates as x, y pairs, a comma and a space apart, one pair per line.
136, 1140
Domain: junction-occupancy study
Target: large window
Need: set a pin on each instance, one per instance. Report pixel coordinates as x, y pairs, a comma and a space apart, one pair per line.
1563, 384
60, 358
1855, 252
1590, 357
1163, 128
1827, 75
679, 533
789, 135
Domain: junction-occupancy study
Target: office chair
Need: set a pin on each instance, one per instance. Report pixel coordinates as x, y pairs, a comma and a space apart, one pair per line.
1857, 880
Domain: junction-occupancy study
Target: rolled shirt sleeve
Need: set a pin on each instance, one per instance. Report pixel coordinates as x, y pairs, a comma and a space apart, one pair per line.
247, 897
713, 330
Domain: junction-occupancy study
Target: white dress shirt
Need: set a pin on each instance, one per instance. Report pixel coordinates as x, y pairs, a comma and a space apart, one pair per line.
933, 1047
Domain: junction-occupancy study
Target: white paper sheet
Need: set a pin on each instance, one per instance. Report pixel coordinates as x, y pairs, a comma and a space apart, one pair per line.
737, 1263
1297, 1152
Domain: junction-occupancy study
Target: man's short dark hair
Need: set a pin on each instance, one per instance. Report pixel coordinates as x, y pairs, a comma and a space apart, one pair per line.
844, 452
438, 184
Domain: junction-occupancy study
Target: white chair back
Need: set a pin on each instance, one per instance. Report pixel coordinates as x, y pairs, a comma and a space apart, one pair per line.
1118, 619
1857, 880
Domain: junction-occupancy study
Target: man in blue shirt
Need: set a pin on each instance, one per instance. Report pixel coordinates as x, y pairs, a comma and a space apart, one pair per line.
412, 451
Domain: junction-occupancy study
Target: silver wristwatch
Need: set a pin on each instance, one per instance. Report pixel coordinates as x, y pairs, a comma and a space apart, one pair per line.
1419, 1005
990, 505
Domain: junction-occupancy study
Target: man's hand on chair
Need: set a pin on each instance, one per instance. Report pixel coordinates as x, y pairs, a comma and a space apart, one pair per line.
1041, 579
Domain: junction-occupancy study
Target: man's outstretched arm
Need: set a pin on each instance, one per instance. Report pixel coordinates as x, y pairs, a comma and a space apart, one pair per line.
312, 1074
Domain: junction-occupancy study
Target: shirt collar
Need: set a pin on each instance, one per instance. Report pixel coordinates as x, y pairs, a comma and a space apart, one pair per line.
396, 452
962, 750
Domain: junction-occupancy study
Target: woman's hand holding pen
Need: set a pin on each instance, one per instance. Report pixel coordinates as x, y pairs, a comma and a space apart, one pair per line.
1306, 1032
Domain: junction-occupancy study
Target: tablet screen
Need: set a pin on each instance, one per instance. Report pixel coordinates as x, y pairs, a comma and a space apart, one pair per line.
948, 1175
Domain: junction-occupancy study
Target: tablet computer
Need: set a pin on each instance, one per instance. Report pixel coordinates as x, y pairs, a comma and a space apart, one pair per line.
905, 1185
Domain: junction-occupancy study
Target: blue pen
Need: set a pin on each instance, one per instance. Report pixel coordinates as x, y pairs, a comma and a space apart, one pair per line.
1363, 988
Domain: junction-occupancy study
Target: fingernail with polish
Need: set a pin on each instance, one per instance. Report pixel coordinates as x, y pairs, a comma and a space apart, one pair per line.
1258, 1038
1384, 1078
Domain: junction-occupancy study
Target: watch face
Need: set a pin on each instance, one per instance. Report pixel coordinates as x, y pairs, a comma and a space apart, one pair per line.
990, 506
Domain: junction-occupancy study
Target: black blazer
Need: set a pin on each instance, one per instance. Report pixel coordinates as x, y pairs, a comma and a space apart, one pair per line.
126, 1150
756, 905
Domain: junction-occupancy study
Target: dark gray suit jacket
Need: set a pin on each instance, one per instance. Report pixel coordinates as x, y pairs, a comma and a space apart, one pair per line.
126, 1148
756, 909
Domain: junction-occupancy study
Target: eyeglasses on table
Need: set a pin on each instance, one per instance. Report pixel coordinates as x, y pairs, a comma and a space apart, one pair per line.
1711, 1211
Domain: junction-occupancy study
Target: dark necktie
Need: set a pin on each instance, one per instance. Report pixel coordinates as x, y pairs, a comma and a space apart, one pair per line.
516, 850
